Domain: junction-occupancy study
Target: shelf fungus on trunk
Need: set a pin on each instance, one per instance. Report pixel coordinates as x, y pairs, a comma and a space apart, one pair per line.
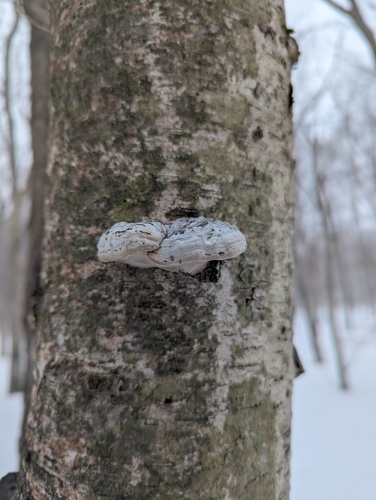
186, 244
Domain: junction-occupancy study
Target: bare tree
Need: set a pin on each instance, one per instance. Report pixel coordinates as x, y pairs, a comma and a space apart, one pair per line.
13, 236
39, 52
329, 267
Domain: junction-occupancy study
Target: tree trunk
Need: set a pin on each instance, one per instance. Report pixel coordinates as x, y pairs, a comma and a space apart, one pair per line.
329, 265
39, 58
150, 384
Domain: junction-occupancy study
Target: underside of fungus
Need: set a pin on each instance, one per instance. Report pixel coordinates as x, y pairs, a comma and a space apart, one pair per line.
185, 245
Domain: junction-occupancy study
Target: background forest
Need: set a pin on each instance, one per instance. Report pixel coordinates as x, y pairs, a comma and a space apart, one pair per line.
334, 438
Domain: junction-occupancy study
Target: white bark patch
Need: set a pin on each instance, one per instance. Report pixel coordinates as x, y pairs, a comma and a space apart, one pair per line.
227, 332
185, 245
70, 457
169, 198
136, 474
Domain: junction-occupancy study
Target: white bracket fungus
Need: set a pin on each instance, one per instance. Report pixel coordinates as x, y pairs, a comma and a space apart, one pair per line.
185, 245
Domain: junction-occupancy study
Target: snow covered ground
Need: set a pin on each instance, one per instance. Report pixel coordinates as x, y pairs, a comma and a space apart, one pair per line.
333, 431
11, 408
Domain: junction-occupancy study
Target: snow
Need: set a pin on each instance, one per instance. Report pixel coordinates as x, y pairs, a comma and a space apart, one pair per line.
11, 410
333, 431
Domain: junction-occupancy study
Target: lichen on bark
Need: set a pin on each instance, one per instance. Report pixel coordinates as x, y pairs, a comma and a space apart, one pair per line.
151, 384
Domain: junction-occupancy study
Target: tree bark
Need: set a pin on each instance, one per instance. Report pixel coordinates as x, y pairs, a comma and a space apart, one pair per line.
150, 384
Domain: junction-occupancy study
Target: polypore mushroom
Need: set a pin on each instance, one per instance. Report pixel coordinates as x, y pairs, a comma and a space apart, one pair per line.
131, 243
185, 244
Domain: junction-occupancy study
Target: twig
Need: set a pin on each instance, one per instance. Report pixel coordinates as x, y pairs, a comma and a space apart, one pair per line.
358, 19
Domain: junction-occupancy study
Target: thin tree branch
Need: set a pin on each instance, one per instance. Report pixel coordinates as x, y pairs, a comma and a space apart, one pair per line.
358, 19
337, 6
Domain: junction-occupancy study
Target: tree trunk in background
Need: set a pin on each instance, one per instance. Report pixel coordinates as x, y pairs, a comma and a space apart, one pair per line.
40, 85
40, 51
16, 262
21, 233
150, 384
302, 298
329, 269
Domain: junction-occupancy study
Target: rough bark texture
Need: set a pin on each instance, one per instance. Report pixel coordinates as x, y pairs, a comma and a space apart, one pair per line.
8, 486
150, 384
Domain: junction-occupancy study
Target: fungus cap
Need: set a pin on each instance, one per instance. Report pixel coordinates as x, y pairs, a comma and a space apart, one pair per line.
186, 244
